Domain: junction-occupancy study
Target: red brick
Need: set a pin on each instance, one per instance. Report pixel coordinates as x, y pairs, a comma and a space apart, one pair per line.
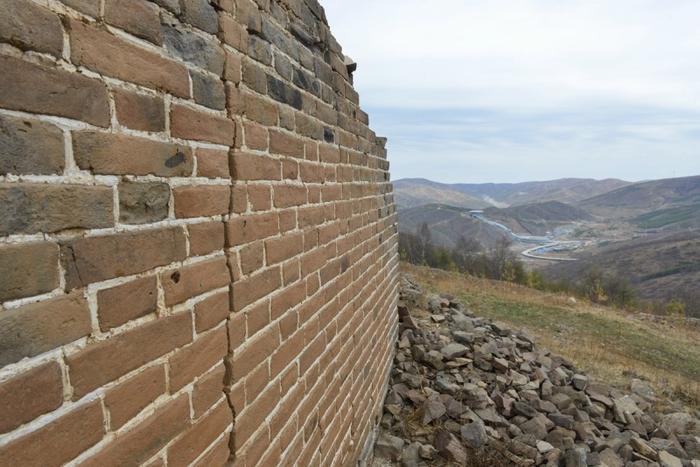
255, 382
28, 269
206, 237
252, 257
32, 393
97, 49
233, 33
212, 163
255, 136
260, 197
236, 331
195, 279
256, 287
40, 89
286, 353
89, 7
283, 248
254, 352
39, 327
197, 358
248, 167
217, 455
286, 196
94, 259
201, 200
58, 442
287, 300
290, 169
286, 145
232, 71
140, 111
142, 442
123, 303
257, 318
28, 25
260, 110
246, 229
187, 123
253, 416
107, 360
208, 390
112, 154
202, 434
212, 311
330, 154
125, 401
139, 17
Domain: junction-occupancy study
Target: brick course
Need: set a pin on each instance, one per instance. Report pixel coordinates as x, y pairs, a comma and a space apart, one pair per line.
198, 259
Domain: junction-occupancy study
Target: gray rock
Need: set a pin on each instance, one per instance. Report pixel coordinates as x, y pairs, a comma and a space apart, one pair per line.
388, 447
474, 434
609, 458
454, 350
668, 460
580, 382
142, 203
576, 458
677, 423
410, 457
449, 446
433, 409
640, 446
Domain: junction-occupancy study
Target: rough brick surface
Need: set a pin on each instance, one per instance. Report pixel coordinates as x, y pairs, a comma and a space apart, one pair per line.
198, 257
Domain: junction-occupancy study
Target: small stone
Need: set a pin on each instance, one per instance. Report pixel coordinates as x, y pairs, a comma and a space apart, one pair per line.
433, 409
454, 350
610, 459
677, 423
580, 382
474, 434
576, 458
438, 318
500, 364
450, 447
389, 447
640, 446
427, 452
668, 460
642, 389
544, 447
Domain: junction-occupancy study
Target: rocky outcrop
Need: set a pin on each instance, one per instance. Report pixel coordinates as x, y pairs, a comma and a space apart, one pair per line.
468, 391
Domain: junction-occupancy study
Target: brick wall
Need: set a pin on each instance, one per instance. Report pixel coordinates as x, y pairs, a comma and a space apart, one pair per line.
197, 237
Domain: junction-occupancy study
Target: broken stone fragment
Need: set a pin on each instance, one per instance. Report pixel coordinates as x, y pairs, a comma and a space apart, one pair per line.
474, 434
580, 382
449, 446
453, 351
388, 447
433, 409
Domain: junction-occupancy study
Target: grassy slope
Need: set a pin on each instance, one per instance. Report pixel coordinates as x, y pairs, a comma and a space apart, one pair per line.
608, 344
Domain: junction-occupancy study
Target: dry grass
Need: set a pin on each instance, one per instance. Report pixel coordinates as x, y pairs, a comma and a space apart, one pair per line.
610, 345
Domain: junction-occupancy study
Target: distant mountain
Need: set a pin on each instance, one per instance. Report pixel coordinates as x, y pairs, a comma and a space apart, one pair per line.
416, 192
538, 218
660, 202
447, 224
412, 192
565, 190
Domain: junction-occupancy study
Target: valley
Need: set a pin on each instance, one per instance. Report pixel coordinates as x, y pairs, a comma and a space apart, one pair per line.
645, 234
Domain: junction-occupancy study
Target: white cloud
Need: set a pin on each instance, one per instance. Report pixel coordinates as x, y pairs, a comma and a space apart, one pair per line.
623, 74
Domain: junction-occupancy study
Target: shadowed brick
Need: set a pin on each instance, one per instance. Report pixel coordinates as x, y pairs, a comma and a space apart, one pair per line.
30, 26
30, 147
28, 269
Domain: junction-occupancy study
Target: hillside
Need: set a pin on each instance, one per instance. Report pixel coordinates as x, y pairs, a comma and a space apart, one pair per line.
418, 192
663, 266
538, 218
447, 224
663, 198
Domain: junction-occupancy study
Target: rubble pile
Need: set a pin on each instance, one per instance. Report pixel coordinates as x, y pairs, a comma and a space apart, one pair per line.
468, 391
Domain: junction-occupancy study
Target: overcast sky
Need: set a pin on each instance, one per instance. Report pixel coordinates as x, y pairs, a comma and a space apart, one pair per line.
516, 90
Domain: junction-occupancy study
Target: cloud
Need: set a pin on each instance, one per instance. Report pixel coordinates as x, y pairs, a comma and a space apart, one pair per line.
514, 80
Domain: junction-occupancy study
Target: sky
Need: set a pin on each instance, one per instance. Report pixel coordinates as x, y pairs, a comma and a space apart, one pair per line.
517, 90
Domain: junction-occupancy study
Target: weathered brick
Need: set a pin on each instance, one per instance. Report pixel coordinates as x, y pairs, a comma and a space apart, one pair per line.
197, 358
212, 311
187, 123
254, 288
58, 442
32, 393
217, 455
286, 196
200, 14
100, 51
203, 433
257, 318
140, 111
195, 279
260, 110
284, 93
232, 71
107, 360
208, 90
139, 444
30, 26
39, 327
125, 401
89, 7
254, 352
28, 269
282, 248
250, 420
143, 203
247, 166
123, 303
36, 207
201, 200
111, 154
256, 136
201, 51
252, 257
286, 144
212, 163
29, 146
260, 197
138, 17
206, 237
233, 33
208, 390
245, 229
94, 259
40, 89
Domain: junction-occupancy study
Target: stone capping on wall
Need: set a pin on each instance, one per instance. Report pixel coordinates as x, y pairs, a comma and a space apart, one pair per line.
198, 244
